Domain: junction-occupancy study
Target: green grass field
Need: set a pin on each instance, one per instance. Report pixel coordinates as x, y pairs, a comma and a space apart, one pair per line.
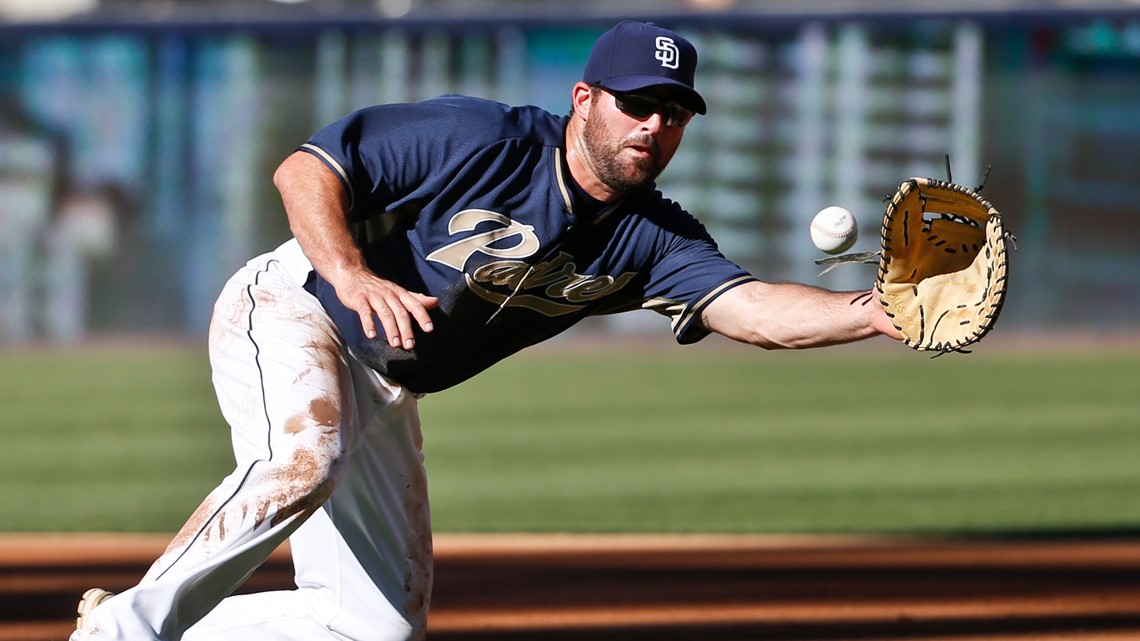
676, 440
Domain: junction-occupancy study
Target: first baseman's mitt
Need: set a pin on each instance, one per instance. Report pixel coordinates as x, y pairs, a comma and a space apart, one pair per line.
943, 264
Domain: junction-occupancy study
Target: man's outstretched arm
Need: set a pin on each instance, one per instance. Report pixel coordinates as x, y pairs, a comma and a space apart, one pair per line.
795, 316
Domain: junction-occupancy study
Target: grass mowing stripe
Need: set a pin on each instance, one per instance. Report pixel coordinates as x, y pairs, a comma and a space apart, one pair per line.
750, 444
681, 440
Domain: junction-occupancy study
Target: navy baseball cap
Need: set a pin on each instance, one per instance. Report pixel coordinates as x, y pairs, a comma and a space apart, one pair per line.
636, 55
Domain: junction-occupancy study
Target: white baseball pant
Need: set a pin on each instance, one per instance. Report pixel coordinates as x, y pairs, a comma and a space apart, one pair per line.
329, 455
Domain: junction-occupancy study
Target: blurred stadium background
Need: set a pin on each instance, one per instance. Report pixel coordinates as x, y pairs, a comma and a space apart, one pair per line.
138, 138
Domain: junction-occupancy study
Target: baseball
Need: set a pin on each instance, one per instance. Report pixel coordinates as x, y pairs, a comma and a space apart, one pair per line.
834, 230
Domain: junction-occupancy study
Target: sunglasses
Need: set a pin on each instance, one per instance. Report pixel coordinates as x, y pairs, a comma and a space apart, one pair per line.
642, 106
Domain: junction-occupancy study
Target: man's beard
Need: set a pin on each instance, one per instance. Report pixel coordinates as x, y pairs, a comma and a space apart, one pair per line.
616, 172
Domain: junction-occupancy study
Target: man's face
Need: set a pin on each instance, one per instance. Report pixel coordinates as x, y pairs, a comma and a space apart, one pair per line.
628, 151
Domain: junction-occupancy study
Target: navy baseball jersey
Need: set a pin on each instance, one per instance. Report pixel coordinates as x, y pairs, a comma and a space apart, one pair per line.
471, 201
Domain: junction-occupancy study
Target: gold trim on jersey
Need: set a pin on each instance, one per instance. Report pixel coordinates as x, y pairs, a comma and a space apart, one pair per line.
681, 321
565, 189
562, 180
607, 211
335, 165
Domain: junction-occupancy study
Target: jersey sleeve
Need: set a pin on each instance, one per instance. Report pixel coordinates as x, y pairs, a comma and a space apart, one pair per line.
690, 273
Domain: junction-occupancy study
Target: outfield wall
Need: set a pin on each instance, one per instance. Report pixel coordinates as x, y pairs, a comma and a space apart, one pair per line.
135, 156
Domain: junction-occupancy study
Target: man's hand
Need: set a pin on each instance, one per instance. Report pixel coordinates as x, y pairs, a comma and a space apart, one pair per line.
879, 319
375, 298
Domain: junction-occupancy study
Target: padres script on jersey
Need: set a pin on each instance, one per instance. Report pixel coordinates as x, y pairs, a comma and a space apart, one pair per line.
471, 201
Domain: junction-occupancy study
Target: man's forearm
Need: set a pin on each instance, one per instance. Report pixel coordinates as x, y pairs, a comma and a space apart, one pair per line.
794, 316
315, 204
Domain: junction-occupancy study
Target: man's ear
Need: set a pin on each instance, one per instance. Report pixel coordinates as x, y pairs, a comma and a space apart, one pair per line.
580, 101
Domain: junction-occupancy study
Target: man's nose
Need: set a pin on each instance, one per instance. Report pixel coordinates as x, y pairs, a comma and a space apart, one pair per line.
655, 122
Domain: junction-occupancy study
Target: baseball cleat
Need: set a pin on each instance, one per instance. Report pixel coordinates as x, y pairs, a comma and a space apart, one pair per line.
87, 603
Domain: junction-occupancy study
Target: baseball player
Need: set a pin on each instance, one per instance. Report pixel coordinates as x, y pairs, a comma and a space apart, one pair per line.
432, 240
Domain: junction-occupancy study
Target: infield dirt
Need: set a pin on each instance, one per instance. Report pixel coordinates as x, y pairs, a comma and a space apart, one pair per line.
664, 588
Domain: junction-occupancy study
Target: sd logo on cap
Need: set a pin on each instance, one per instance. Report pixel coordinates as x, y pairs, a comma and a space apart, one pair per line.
636, 55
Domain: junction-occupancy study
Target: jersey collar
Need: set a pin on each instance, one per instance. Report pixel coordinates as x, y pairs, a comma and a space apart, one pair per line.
580, 205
